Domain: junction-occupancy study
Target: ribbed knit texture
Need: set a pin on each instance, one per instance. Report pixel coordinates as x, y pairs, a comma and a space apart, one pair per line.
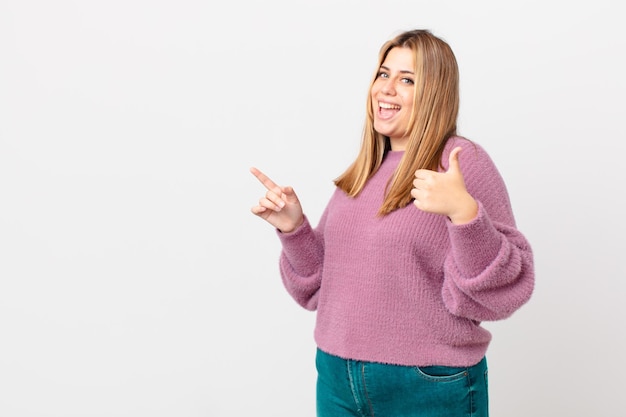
410, 288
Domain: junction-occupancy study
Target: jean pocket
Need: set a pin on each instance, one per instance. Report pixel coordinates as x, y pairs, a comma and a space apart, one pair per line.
442, 373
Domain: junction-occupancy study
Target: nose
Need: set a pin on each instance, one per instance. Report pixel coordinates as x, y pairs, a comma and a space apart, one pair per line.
387, 87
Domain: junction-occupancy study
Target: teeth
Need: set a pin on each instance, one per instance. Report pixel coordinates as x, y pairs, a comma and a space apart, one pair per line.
388, 106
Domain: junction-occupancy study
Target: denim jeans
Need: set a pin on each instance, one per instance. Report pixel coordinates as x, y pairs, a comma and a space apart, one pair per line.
367, 389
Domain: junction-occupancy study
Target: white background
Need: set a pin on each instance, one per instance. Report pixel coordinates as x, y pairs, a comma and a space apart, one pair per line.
134, 281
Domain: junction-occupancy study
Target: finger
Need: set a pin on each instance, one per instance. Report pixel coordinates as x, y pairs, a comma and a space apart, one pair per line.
422, 174
453, 160
417, 202
265, 180
271, 203
288, 194
276, 201
424, 179
258, 210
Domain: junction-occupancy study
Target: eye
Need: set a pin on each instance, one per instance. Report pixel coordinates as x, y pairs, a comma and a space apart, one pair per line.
408, 81
382, 74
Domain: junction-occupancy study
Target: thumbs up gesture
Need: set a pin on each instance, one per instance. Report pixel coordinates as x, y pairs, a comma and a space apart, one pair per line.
444, 192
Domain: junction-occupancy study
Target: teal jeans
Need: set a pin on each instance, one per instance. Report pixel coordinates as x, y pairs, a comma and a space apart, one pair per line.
348, 388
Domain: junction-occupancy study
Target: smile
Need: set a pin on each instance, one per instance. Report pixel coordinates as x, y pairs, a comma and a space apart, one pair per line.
388, 106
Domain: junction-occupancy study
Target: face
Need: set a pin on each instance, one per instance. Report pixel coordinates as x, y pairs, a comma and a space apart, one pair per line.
392, 96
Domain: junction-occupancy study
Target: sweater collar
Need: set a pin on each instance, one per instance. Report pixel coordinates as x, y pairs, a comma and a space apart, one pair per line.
394, 156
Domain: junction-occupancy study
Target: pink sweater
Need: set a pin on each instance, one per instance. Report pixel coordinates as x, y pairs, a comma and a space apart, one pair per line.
410, 288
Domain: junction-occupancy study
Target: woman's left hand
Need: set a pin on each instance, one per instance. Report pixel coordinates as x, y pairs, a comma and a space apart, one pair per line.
444, 192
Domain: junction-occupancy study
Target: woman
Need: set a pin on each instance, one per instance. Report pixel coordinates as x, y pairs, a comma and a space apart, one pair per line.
417, 246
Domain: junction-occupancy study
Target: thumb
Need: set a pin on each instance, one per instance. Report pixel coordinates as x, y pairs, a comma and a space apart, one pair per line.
289, 194
453, 160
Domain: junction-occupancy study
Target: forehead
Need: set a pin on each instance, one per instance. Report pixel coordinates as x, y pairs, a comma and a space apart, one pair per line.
401, 59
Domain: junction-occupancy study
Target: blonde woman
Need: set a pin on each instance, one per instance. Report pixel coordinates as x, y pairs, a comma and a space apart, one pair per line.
416, 247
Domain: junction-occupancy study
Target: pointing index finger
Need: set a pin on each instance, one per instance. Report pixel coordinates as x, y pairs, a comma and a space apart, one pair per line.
264, 179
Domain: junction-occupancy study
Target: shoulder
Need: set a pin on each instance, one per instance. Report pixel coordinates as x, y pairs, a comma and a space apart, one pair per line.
477, 167
472, 153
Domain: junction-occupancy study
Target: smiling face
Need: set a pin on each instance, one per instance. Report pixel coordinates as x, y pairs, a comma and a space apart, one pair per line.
392, 96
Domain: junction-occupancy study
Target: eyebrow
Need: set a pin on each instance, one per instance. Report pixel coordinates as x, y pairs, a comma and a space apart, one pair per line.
401, 71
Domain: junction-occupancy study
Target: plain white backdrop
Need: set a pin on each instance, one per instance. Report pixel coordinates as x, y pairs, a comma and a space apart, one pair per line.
134, 281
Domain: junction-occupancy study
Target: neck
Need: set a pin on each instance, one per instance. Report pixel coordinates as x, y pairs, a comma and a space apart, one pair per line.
398, 144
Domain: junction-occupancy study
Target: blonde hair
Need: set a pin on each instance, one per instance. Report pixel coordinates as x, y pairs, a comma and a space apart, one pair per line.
435, 111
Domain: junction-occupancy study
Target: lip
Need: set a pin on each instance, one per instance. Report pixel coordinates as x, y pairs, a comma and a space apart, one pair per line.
386, 111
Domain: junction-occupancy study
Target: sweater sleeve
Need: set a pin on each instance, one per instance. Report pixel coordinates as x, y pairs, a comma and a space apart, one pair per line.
301, 261
489, 270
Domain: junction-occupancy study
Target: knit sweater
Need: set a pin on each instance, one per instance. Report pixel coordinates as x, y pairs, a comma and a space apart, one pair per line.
410, 288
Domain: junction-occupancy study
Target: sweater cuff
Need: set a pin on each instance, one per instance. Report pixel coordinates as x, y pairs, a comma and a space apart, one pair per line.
475, 245
301, 247
294, 234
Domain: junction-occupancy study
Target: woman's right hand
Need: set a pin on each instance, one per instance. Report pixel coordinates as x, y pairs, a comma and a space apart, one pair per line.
280, 206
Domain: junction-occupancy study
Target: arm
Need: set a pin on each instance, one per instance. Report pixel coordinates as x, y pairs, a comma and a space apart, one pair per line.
489, 270
301, 262
303, 248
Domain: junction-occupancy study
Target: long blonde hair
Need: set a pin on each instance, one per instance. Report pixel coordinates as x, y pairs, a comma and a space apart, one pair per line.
435, 111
